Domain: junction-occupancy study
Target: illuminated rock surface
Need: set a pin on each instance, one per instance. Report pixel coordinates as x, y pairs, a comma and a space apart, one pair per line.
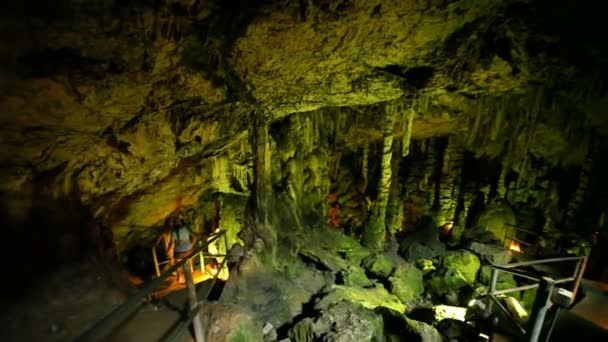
302, 129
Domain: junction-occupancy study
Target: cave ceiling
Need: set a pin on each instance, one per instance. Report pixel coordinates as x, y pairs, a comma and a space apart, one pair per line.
135, 106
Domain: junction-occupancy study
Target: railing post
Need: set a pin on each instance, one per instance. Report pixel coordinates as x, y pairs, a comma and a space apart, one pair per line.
192, 299
580, 268
155, 259
492, 284
542, 302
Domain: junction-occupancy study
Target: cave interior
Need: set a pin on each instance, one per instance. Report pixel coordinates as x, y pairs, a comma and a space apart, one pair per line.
367, 160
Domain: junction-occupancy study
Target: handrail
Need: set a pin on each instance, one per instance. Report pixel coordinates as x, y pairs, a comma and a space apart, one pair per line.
545, 285
177, 331
134, 302
541, 261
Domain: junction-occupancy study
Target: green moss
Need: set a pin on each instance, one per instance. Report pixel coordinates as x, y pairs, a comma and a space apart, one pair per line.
355, 276
302, 331
378, 265
406, 282
247, 332
370, 298
458, 270
426, 266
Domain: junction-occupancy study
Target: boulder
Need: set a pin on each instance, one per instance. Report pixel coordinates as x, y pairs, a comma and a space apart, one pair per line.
417, 251
426, 266
303, 331
397, 327
378, 265
494, 254
497, 218
370, 298
456, 330
348, 321
231, 323
458, 270
406, 282
354, 276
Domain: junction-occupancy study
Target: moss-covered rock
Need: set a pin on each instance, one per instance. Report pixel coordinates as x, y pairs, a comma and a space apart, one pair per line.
406, 282
458, 270
354, 276
426, 266
302, 331
348, 321
378, 265
231, 323
497, 255
497, 218
397, 327
370, 298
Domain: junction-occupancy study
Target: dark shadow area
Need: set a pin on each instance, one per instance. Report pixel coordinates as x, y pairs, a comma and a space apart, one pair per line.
41, 234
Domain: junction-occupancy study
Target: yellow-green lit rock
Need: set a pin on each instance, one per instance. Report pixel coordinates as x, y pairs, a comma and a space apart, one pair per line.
378, 265
458, 270
406, 282
426, 266
354, 276
370, 298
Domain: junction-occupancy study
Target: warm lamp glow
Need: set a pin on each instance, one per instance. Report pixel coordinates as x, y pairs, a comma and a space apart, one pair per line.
447, 227
515, 246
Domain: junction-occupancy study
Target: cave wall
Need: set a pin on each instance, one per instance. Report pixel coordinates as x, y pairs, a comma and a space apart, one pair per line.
135, 110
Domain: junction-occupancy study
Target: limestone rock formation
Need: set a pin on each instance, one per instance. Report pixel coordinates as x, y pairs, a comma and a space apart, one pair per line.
406, 282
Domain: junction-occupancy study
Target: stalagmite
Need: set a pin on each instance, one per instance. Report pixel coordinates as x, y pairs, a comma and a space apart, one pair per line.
375, 229
449, 186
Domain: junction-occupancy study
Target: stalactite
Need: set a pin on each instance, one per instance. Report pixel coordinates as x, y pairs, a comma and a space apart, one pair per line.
408, 122
364, 168
501, 188
463, 216
476, 124
449, 186
498, 119
394, 215
262, 194
430, 165
375, 230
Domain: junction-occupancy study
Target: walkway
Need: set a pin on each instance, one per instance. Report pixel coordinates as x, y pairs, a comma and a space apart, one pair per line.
588, 319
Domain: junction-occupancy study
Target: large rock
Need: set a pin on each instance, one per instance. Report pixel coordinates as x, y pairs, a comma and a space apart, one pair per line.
494, 254
456, 330
415, 251
497, 218
458, 270
231, 323
397, 327
406, 282
346, 322
378, 265
370, 298
354, 276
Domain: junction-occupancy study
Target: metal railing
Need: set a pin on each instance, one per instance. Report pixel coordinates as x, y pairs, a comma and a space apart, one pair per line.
102, 328
545, 286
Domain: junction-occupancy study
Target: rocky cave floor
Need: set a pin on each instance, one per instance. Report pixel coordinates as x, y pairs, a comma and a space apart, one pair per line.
323, 286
